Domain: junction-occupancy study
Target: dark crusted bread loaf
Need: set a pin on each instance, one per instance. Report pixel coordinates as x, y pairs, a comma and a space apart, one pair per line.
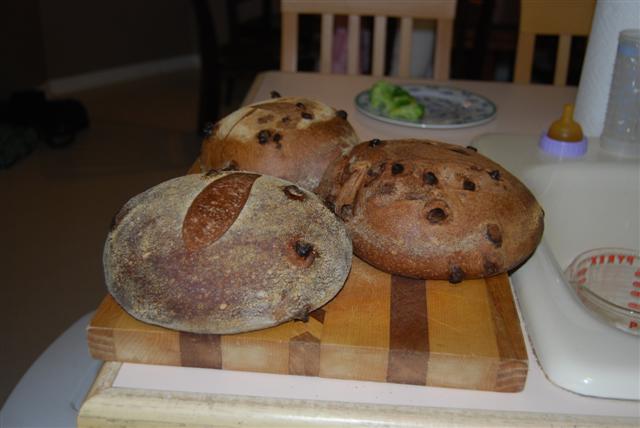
291, 138
225, 253
432, 210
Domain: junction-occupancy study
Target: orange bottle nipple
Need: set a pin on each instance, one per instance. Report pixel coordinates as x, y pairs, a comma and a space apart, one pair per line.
565, 128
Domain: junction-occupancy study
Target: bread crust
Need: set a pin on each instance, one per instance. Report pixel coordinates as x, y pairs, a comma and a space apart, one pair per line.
292, 138
225, 253
432, 210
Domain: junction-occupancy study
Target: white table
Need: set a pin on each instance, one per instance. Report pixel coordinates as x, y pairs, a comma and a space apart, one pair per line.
522, 109
141, 395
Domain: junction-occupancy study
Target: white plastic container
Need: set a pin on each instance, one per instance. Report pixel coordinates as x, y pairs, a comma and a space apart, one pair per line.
621, 133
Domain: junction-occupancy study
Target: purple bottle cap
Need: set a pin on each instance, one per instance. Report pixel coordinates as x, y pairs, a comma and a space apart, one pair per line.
564, 149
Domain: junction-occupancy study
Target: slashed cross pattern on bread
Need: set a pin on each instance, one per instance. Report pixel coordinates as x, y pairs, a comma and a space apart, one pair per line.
432, 210
225, 252
288, 137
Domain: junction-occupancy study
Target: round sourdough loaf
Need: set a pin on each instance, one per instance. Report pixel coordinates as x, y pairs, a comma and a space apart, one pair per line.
225, 252
432, 210
291, 138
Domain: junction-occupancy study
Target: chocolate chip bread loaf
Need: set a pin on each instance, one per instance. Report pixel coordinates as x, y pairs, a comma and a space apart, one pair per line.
225, 252
291, 138
432, 210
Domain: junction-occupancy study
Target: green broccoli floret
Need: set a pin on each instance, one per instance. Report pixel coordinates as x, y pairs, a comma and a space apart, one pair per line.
402, 100
395, 102
381, 95
400, 92
410, 111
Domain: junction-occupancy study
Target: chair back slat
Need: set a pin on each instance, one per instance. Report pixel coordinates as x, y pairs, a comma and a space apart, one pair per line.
425, 9
562, 60
562, 18
379, 45
404, 62
443, 11
524, 57
353, 45
289, 42
557, 17
444, 35
326, 42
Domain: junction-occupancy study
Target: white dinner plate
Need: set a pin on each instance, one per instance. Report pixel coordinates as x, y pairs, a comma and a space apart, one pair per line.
444, 107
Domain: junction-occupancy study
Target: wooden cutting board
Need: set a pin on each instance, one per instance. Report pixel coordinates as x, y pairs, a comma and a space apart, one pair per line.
380, 327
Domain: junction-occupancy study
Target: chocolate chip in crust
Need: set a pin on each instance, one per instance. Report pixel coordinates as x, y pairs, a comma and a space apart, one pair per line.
494, 234
375, 142
294, 192
397, 168
303, 249
263, 136
341, 114
303, 254
430, 178
469, 185
460, 150
346, 211
436, 215
275, 94
456, 274
115, 220
307, 115
495, 174
208, 129
300, 106
330, 205
472, 148
277, 137
490, 268
303, 315
374, 173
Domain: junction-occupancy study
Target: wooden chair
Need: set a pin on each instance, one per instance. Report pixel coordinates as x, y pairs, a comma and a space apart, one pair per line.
441, 10
564, 18
252, 47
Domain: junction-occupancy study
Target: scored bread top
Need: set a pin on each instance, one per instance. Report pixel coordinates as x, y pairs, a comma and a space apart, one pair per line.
432, 210
290, 137
225, 253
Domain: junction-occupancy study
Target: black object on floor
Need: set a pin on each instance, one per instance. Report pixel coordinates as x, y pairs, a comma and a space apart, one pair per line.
62, 121
16, 142
28, 117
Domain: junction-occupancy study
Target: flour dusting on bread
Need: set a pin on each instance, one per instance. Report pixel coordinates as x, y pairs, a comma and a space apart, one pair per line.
193, 255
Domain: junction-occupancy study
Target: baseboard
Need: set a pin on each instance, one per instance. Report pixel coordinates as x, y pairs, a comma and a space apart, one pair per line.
120, 74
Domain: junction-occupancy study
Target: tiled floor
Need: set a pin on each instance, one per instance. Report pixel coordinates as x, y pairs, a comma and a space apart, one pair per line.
57, 205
